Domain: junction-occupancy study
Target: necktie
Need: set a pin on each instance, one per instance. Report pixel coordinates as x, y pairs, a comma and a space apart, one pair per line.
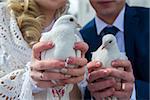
109, 30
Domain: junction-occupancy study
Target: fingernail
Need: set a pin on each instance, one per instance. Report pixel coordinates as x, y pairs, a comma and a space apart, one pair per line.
50, 43
113, 89
75, 45
69, 60
113, 63
67, 76
66, 64
98, 64
105, 71
63, 70
62, 64
92, 84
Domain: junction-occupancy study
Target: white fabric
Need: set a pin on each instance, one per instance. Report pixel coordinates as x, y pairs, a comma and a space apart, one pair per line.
14, 54
119, 23
63, 34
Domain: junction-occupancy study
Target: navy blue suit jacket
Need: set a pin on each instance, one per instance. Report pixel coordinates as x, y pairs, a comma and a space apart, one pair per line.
136, 34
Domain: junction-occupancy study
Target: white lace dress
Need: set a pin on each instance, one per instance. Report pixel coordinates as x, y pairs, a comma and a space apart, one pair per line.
14, 55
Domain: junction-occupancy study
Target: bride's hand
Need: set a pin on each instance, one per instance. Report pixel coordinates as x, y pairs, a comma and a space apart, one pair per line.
39, 74
77, 73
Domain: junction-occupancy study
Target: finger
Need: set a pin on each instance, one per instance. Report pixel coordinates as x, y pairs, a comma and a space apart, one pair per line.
82, 46
126, 64
47, 84
95, 75
77, 61
118, 86
101, 85
39, 47
75, 71
93, 65
102, 94
48, 64
126, 76
35, 75
74, 80
122, 95
128, 87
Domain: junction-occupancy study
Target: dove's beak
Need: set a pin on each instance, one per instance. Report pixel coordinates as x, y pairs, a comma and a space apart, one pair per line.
78, 25
104, 46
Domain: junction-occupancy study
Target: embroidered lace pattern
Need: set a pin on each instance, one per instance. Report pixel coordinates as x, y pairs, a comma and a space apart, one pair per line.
14, 54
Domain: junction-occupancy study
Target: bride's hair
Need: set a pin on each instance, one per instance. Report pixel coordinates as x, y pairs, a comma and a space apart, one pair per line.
30, 19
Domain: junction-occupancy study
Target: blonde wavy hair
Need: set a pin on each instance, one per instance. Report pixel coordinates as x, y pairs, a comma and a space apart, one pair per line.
30, 19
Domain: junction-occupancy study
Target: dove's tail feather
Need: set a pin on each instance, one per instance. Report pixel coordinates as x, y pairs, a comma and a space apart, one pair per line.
60, 93
114, 98
110, 98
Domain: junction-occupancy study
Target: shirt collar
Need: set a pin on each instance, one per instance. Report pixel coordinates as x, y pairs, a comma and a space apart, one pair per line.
119, 22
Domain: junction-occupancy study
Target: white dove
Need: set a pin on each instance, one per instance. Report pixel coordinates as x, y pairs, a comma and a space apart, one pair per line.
63, 34
108, 52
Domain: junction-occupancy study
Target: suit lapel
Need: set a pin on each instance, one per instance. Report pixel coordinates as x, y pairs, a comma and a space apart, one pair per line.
130, 30
91, 37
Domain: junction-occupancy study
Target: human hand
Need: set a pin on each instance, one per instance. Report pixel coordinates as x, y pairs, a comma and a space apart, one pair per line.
81, 46
101, 84
38, 73
127, 79
77, 73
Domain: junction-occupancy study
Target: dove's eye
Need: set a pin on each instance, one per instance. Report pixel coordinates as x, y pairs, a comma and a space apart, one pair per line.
110, 41
71, 19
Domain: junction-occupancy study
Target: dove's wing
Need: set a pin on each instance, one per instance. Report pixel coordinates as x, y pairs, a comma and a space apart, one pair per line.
47, 36
47, 54
63, 41
102, 56
105, 56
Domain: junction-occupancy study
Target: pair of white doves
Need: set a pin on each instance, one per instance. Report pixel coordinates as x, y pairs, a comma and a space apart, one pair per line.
64, 34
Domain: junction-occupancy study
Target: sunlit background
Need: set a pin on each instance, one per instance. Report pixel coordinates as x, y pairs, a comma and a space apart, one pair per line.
84, 12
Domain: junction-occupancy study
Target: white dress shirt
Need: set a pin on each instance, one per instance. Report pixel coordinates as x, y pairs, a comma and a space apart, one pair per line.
119, 23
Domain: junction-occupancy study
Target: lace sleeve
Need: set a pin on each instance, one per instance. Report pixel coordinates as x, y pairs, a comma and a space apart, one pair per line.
10, 85
14, 54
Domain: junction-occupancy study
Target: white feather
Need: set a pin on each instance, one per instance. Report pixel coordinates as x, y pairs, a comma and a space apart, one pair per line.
108, 52
63, 34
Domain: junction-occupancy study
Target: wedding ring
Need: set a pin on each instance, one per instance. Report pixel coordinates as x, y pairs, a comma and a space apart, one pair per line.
67, 76
63, 70
123, 86
66, 62
86, 77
